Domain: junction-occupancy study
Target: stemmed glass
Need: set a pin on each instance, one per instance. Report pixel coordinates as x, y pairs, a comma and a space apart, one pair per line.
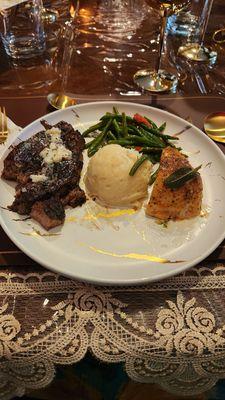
160, 80
62, 99
197, 51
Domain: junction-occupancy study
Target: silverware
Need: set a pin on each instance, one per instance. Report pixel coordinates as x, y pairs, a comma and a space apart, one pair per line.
214, 126
3, 125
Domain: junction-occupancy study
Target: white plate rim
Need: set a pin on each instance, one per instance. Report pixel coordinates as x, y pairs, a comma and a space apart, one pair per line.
104, 281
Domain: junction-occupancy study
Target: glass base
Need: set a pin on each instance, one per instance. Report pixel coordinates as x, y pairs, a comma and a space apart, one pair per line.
61, 100
156, 82
21, 48
198, 53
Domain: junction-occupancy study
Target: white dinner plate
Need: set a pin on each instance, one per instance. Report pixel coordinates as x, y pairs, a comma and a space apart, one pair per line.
113, 246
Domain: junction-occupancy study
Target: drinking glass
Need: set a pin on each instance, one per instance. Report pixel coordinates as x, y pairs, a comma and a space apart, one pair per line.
195, 50
68, 34
22, 30
160, 80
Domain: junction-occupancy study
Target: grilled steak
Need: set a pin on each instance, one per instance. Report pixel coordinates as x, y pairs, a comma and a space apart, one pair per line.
47, 168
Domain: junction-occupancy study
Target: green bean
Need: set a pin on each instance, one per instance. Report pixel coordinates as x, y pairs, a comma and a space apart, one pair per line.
153, 138
152, 123
133, 128
137, 164
138, 139
158, 134
93, 128
151, 150
94, 141
168, 137
106, 128
162, 127
94, 144
122, 142
124, 125
128, 141
173, 145
153, 177
91, 143
144, 140
143, 133
117, 117
151, 130
116, 127
111, 136
92, 151
115, 110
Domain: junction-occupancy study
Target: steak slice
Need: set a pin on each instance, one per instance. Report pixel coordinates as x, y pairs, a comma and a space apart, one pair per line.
49, 213
76, 197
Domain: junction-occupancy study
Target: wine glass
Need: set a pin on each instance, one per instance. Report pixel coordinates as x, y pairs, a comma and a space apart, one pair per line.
159, 81
63, 99
197, 52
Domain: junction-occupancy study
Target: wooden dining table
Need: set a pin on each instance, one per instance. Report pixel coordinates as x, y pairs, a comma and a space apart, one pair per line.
170, 332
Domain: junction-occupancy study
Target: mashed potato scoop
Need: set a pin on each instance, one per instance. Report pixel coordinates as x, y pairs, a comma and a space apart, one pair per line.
107, 179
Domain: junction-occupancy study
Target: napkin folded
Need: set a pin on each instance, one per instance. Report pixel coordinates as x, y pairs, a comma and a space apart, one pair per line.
13, 133
9, 3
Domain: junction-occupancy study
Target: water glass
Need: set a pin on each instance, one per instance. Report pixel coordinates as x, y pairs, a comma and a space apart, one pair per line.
22, 30
191, 21
195, 50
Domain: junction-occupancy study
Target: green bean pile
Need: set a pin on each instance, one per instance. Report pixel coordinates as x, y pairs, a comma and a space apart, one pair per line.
140, 133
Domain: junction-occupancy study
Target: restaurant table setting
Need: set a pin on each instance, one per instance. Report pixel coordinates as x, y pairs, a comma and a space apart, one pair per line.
164, 320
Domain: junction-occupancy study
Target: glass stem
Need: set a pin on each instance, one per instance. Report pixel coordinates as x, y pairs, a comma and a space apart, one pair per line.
67, 53
164, 11
205, 19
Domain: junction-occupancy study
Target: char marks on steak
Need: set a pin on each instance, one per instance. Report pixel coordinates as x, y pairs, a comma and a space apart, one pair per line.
49, 213
76, 197
61, 187
25, 158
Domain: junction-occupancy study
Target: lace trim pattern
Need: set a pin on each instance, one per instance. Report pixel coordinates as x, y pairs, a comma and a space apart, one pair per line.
31, 283
174, 335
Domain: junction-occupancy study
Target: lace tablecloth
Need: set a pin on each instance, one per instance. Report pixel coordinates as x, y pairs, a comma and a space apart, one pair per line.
171, 333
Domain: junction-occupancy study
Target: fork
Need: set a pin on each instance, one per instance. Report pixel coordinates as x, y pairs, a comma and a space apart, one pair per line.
3, 125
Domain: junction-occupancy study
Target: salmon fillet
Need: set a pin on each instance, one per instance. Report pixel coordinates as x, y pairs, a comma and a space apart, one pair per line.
180, 203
